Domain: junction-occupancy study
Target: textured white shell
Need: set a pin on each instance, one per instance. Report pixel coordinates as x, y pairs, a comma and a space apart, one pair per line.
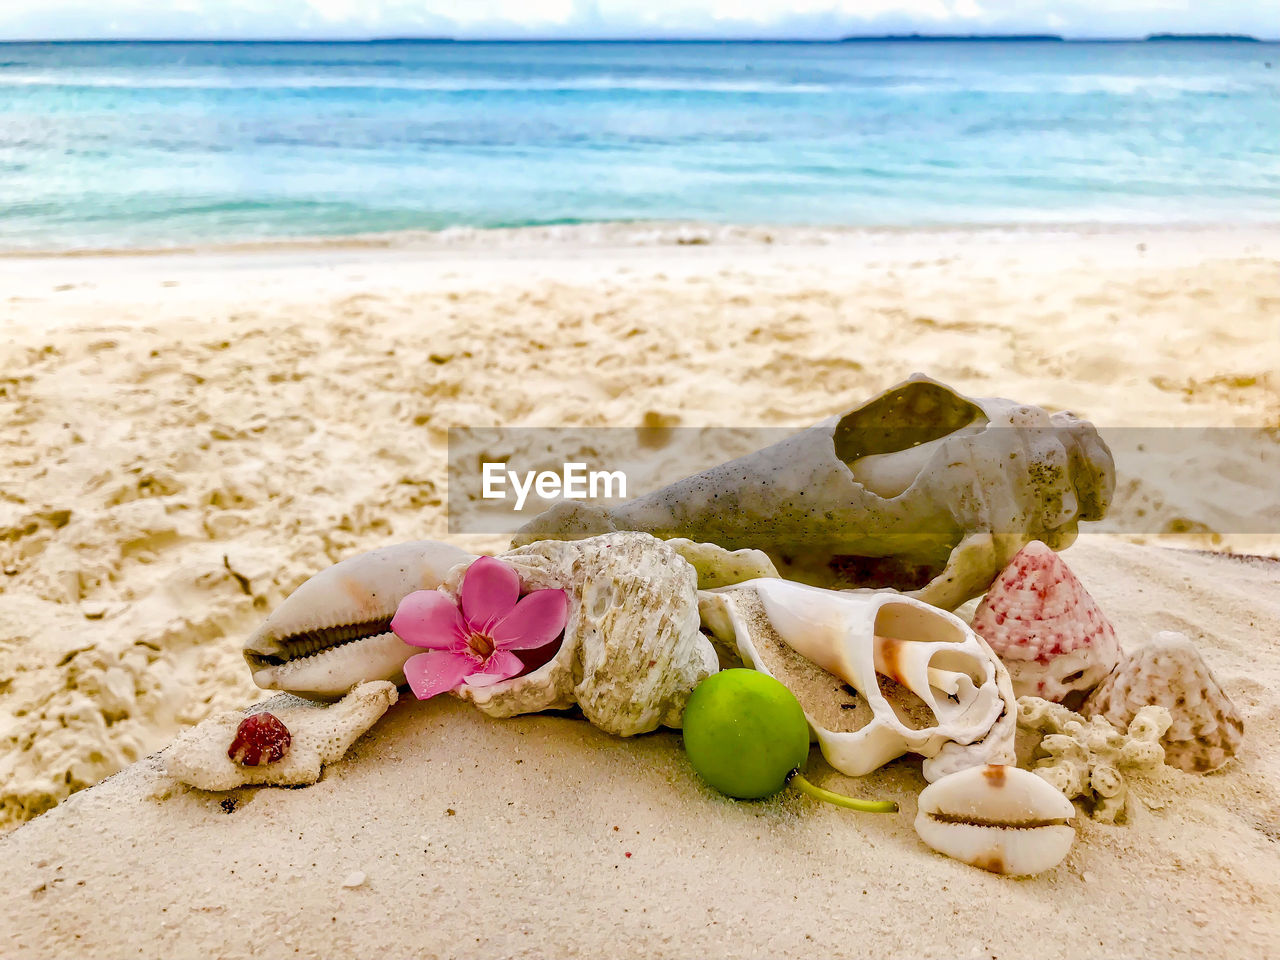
860, 637
1206, 729
361, 589
319, 734
632, 650
998, 818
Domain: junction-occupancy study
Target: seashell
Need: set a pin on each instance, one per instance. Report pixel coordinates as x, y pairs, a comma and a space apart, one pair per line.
718, 567
632, 650
1091, 758
920, 488
997, 746
1044, 626
998, 818
260, 738
1206, 728
334, 631
878, 674
318, 734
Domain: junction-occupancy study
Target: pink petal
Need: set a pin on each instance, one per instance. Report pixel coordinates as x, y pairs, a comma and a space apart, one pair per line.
501, 666
437, 672
428, 618
537, 620
490, 589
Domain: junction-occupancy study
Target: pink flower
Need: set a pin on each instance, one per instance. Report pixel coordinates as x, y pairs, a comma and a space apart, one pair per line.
473, 644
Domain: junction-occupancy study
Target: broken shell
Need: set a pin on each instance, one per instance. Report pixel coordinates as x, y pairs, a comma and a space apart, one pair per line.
919, 487
998, 818
632, 651
1169, 671
261, 738
718, 567
1044, 626
334, 631
877, 674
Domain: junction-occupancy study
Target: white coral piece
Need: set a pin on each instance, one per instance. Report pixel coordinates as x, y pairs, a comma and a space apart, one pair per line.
319, 734
632, 649
1091, 758
1206, 729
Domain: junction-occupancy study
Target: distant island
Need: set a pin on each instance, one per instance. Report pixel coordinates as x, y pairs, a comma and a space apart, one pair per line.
1201, 37
956, 38
1044, 38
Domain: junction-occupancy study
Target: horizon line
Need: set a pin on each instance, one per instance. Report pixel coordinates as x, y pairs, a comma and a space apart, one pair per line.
1161, 37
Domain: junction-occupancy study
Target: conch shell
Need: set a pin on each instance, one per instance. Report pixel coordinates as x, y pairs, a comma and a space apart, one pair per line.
920, 488
878, 674
632, 650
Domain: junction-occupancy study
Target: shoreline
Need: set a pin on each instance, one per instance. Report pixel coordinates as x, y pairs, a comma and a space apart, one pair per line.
650, 233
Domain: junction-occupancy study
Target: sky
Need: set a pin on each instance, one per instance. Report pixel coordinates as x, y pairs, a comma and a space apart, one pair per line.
577, 19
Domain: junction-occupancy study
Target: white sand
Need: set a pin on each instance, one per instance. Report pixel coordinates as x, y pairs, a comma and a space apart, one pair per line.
186, 438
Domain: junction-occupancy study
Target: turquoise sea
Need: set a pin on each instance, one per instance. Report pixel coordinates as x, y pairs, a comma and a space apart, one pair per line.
155, 144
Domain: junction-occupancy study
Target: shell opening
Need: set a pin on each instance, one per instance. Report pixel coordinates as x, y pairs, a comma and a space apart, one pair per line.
907, 621
1028, 824
311, 642
931, 691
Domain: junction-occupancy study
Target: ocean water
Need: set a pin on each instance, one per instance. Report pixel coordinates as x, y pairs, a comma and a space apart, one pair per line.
146, 145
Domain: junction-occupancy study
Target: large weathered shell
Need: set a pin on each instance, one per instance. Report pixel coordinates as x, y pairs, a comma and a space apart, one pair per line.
918, 489
632, 649
1169, 671
1046, 628
878, 674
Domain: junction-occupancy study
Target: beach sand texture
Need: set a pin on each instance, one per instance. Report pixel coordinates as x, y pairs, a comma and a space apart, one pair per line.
187, 438
447, 833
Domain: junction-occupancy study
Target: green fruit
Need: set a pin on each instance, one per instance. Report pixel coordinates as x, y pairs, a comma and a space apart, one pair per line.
745, 733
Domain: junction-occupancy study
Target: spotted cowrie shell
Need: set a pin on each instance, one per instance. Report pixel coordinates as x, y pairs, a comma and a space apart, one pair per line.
998, 818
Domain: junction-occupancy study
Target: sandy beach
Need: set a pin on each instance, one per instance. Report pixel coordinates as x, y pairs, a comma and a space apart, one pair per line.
186, 437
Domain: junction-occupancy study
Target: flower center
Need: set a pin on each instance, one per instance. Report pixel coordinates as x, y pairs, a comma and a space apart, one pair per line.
481, 645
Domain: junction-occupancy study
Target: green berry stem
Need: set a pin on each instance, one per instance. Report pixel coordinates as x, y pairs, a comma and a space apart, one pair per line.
866, 806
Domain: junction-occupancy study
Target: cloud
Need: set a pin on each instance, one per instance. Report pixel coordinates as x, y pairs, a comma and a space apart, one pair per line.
480, 19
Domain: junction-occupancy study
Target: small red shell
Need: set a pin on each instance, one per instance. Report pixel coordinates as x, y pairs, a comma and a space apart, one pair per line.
260, 738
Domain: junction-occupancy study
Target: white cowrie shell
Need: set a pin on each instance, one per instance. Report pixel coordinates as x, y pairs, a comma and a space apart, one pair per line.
998, 818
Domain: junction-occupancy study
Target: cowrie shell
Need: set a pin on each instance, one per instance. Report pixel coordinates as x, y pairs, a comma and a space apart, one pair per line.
998, 818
